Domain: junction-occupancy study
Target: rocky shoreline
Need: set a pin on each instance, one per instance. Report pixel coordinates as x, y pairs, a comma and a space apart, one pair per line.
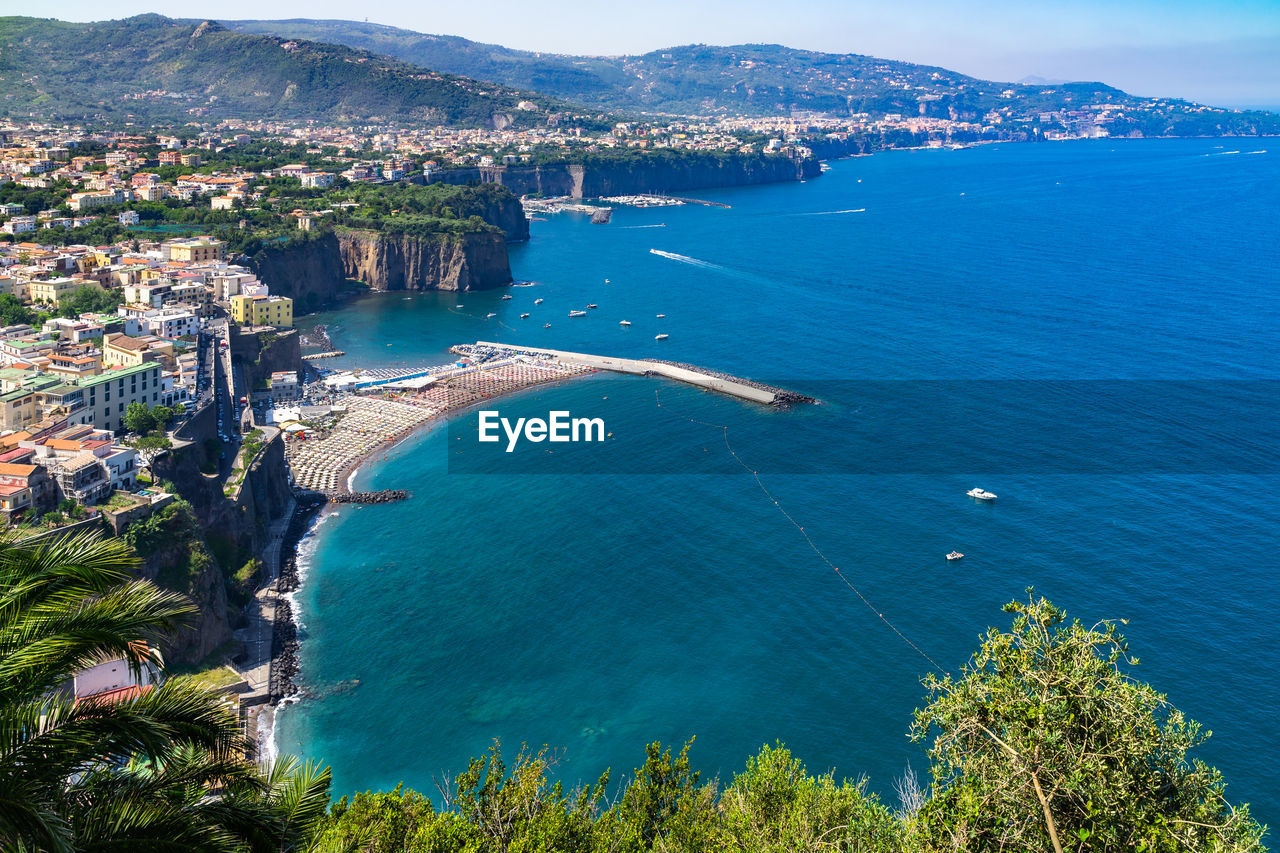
284, 639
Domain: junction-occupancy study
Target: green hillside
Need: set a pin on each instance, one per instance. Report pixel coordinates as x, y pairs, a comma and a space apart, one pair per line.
157, 68
762, 79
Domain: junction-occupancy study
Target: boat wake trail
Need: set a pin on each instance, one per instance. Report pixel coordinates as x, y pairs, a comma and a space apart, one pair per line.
707, 265
685, 259
831, 212
630, 227
1223, 153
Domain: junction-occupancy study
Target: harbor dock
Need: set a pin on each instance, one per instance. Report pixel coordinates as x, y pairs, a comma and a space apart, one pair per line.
733, 386
372, 409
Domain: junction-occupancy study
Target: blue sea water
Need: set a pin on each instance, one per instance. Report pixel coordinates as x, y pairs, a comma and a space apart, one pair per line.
597, 612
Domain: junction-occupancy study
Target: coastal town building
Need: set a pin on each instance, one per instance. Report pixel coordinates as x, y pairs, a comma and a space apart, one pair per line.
108, 395
195, 251
262, 310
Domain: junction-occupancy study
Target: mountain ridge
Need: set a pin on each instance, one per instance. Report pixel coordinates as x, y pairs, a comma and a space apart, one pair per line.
699, 79
163, 68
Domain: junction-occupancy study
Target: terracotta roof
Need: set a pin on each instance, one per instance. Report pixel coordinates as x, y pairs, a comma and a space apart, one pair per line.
12, 469
122, 341
113, 697
12, 490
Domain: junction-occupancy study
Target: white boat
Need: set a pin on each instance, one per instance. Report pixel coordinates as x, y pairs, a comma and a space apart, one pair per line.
490, 314
593, 305
546, 325
954, 555
624, 322
537, 302
507, 296
577, 313
457, 306
981, 494
661, 337
524, 316
660, 316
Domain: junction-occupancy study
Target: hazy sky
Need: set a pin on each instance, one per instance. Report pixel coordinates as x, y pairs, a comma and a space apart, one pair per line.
1218, 51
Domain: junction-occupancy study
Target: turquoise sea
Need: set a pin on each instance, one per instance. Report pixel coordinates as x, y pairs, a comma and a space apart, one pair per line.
595, 612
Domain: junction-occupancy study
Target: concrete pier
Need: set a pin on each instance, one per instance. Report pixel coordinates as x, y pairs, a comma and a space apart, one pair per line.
641, 367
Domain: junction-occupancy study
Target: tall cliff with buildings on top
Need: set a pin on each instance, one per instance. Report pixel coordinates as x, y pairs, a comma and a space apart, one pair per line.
596, 178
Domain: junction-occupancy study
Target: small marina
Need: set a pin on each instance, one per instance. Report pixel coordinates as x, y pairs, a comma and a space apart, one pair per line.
355, 413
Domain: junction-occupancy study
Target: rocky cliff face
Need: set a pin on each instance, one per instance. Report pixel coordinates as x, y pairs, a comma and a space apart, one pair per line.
315, 272
226, 531
261, 354
309, 273
461, 262
643, 176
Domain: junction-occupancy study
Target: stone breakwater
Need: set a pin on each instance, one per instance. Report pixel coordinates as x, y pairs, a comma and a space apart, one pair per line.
385, 496
782, 398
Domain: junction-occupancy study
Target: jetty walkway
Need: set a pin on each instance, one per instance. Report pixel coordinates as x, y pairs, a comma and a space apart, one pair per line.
733, 386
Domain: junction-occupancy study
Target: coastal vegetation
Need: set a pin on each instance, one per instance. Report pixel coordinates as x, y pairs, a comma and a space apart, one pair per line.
154, 68
1044, 741
267, 223
165, 768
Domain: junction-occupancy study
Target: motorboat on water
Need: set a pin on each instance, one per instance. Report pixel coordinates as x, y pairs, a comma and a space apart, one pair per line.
577, 313
490, 314
546, 325
524, 316
981, 494
660, 316
506, 296
954, 555
593, 305
661, 337
537, 301
624, 322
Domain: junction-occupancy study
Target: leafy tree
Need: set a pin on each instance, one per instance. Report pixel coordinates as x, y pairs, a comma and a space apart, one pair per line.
1045, 742
89, 299
664, 807
151, 446
163, 415
13, 312
776, 806
163, 770
139, 418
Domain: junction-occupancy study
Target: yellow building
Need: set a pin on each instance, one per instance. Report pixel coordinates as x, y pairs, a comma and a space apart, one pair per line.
199, 250
51, 292
262, 310
124, 351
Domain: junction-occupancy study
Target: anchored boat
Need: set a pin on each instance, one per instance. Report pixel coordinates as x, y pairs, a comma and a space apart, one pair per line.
954, 555
981, 494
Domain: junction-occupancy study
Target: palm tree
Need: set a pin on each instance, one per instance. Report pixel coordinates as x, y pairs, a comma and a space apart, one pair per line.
165, 770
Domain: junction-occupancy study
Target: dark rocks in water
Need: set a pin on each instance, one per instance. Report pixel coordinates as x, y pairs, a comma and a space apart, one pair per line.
385, 496
602, 217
